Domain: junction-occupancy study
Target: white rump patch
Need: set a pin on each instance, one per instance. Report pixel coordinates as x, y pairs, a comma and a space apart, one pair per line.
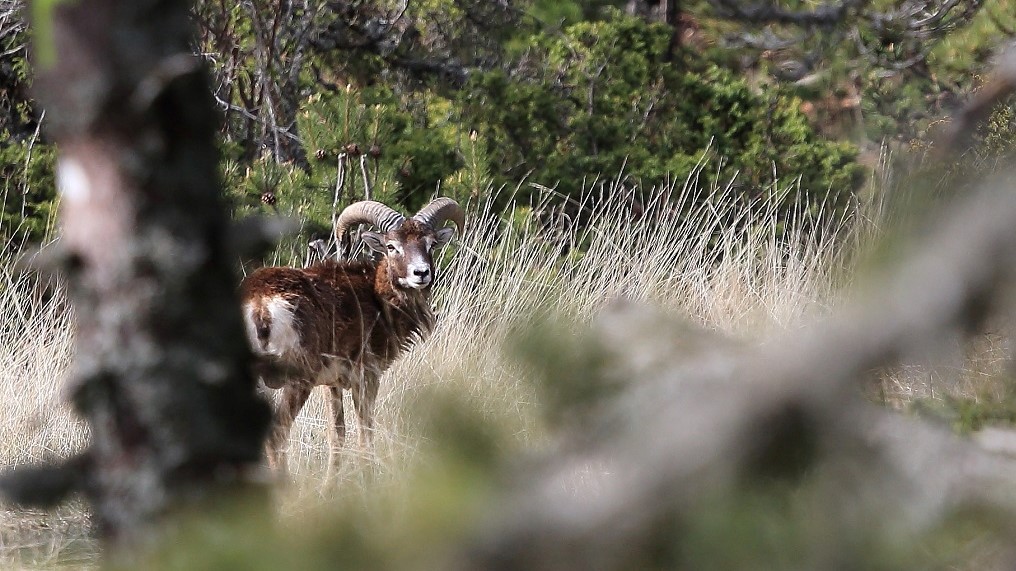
283, 335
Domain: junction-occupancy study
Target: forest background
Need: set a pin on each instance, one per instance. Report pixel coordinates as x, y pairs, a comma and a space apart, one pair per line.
469, 97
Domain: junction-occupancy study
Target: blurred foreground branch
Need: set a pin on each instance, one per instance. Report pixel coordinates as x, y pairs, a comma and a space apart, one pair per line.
703, 420
999, 87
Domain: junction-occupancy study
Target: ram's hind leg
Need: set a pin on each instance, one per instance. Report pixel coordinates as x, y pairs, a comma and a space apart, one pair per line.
364, 395
293, 398
336, 437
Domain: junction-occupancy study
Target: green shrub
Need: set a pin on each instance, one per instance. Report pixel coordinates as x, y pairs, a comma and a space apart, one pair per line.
28, 190
597, 99
601, 97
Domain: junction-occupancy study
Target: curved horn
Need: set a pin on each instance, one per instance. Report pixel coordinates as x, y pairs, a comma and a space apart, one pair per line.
439, 211
364, 212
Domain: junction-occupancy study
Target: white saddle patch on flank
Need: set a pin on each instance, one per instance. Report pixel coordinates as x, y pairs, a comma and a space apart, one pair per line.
283, 335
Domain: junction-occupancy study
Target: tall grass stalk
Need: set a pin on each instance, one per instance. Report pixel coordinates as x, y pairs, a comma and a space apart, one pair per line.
36, 336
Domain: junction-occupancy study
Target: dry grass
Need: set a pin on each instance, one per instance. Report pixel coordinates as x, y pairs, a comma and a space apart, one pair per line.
36, 336
725, 265
692, 257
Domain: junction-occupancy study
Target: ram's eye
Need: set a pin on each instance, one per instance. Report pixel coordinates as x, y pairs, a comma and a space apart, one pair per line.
391, 247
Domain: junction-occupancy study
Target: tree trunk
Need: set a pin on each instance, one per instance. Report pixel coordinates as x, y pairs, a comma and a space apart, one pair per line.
162, 370
672, 17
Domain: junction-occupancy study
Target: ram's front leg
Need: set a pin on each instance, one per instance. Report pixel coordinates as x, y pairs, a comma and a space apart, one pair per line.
294, 396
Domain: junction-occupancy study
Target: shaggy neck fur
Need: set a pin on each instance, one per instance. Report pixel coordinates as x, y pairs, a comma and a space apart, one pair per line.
407, 311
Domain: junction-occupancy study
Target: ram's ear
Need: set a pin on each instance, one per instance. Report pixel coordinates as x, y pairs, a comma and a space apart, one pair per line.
444, 235
374, 241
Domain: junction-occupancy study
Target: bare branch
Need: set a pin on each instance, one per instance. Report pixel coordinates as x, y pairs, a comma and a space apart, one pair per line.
28, 163
340, 184
279, 131
824, 15
367, 191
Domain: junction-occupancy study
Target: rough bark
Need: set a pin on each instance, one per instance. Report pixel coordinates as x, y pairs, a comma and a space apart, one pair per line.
161, 371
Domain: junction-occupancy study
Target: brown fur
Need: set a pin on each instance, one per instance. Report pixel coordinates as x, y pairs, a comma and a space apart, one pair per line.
353, 320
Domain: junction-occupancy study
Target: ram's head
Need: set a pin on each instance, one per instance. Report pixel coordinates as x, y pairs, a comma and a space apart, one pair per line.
407, 243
